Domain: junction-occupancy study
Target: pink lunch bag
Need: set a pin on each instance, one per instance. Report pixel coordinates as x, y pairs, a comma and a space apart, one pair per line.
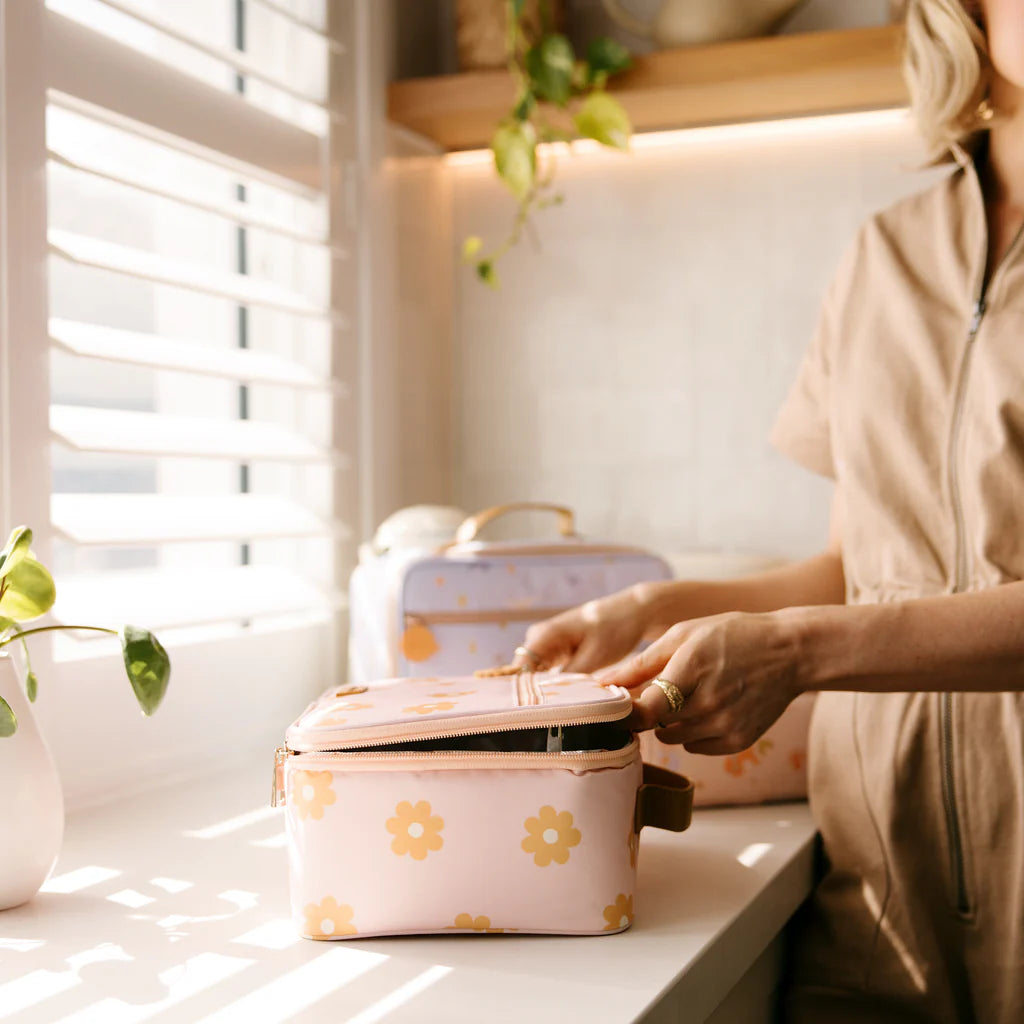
507, 804
774, 768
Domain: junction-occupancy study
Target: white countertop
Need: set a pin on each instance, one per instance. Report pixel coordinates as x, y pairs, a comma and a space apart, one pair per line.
173, 906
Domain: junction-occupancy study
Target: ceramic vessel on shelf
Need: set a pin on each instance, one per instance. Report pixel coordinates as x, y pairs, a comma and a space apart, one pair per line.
692, 22
481, 29
31, 800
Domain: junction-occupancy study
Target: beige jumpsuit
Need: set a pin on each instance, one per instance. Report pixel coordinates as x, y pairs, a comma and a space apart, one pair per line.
911, 397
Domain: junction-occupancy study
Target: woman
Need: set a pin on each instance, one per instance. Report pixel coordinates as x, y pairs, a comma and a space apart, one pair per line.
911, 622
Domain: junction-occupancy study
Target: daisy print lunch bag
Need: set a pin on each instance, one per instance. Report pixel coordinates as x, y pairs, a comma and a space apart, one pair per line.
465, 804
451, 609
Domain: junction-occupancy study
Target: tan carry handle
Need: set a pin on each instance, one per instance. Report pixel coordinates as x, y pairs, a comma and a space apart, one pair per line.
470, 527
664, 800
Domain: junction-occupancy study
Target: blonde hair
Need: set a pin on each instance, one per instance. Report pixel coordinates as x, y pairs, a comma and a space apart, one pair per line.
946, 65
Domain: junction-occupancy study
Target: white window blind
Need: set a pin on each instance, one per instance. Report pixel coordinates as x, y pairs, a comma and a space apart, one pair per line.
197, 323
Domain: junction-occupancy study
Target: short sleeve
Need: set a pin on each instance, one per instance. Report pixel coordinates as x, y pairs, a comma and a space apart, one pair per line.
803, 427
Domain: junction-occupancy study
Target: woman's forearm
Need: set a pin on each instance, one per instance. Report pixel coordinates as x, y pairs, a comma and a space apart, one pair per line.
965, 642
817, 580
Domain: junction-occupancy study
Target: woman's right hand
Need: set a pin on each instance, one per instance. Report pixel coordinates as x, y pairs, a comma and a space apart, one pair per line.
588, 637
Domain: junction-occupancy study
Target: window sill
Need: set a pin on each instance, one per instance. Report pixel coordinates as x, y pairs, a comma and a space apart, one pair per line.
174, 902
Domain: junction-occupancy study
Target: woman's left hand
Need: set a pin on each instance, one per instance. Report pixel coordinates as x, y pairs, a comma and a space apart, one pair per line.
738, 672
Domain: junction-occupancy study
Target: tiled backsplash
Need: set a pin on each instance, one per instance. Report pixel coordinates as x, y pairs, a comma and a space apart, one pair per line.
635, 357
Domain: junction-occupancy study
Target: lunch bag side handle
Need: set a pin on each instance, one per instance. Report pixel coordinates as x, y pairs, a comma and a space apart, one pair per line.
664, 800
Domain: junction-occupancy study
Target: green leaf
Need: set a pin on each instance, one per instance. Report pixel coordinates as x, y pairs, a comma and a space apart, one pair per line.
521, 111
8, 720
471, 246
486, 272
602, 118
515, 156
549, 65
16, 548
608, 57
148, 666
31, 686
517, 7
29, 593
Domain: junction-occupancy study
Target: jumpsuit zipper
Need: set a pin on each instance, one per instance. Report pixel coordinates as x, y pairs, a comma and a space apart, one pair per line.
947, 700
953, 828
947, 706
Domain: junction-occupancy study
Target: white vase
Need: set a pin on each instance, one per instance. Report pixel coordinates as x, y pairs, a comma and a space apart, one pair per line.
31, 800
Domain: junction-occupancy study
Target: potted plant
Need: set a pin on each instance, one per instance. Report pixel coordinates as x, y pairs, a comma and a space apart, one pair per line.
31, 802
559, 98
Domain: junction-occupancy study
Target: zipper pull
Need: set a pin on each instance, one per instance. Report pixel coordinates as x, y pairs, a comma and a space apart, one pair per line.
555, 739
976, 316
277, 787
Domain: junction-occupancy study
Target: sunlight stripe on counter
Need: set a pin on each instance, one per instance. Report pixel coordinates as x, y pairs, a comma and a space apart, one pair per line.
401, 995
80, 878
286, 997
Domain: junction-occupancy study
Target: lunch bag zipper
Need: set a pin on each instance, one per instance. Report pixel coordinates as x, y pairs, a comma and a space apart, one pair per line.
472, 725
519, 549
529, 713
406, 759
524, 719
490, 616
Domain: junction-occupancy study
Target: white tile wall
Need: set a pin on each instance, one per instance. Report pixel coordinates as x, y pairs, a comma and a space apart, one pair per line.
633, 362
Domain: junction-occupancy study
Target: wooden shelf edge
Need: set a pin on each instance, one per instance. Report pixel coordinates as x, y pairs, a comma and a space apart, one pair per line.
748, 80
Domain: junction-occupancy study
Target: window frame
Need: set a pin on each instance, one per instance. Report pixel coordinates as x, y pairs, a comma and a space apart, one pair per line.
229, 696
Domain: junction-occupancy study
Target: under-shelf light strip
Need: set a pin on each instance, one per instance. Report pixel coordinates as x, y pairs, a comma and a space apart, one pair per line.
790, 127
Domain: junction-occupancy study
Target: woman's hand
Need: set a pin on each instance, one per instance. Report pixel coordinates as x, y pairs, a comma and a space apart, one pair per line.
738, 672
588, 637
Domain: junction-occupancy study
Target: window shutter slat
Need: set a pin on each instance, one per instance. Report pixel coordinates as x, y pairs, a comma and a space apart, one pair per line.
244, 365
239, 212
92, 69
145, 519
232, 58
177, 598
146, 266
156, 434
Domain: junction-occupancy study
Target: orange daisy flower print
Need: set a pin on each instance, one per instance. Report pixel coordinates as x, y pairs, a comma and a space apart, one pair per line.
310, 793
619, 914
477, 924
328, 918
417, 832
350, 705
550, 836
418, 644
429, 709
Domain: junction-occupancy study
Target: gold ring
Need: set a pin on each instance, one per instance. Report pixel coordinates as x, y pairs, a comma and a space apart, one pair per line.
675, 697
526, 653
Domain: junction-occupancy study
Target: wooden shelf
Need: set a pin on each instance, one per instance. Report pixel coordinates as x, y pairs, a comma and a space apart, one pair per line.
749, 80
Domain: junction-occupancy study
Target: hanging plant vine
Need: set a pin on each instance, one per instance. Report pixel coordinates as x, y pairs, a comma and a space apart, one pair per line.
547, 74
